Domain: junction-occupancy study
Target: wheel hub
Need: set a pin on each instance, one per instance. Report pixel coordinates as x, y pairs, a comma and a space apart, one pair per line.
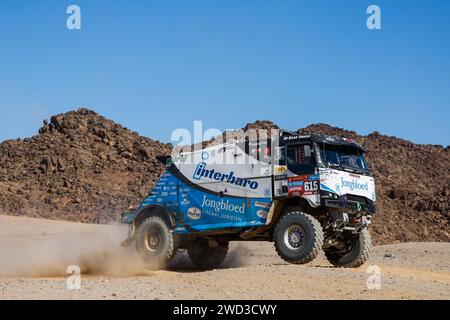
294, 237
153, 240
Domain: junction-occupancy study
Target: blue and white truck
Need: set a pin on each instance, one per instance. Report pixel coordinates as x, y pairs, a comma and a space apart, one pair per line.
306, 193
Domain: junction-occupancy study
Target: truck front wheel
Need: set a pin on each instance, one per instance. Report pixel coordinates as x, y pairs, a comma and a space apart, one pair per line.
355, 255
206, 255
298, 237
155, 242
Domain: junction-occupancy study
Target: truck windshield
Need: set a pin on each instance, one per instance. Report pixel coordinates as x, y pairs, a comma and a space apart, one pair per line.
342, 156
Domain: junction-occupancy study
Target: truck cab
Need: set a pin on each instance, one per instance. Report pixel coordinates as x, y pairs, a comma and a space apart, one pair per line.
327, 172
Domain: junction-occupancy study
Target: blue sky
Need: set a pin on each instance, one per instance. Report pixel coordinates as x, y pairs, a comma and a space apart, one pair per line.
155, 66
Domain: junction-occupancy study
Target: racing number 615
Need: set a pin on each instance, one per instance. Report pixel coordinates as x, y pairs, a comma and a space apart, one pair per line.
311, 185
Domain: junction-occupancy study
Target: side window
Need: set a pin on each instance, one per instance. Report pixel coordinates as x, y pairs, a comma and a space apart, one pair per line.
300, 158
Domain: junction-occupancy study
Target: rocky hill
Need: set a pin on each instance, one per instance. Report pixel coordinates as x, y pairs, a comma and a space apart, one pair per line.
84, 167
80, 167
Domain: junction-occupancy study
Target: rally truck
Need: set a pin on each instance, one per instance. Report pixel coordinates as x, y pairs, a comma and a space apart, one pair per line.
305, 193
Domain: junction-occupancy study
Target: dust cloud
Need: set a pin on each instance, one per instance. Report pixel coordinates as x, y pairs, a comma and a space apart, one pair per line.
47, 252
44, 248
236, 258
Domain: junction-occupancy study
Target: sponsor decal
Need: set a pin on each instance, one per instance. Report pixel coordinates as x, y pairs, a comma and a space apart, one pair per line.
354, 184
337, 187
262, 214
296, 183
295, 191
202, 172
280, 169
194, 213
223, 205
280, 177
260, 204
303, 185
179, 158
286, 138
230, 217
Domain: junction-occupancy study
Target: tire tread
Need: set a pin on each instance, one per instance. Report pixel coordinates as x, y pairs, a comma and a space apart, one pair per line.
317, 235
172, 240
361, 258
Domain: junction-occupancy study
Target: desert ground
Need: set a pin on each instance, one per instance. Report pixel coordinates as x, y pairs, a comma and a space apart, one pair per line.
35, 254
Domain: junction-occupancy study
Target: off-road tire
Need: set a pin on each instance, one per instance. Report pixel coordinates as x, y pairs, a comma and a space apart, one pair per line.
205, 256
312, 242
168, 244
357, 256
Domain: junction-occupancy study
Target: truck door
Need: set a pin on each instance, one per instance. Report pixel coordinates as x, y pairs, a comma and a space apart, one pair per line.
302, 177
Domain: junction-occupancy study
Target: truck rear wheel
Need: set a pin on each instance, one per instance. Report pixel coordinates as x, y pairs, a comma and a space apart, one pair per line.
298, 237
357, 254
205, 256
155, 242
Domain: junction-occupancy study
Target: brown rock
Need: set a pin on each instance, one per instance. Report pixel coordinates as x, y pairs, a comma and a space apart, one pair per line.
398, 193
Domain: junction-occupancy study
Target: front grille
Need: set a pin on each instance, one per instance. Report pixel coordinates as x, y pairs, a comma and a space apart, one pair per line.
351, 202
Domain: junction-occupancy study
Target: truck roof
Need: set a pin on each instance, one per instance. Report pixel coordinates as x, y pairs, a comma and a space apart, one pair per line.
290, 138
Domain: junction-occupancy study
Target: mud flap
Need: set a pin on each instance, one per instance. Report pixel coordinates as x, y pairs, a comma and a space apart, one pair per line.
271, 216
274, 211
